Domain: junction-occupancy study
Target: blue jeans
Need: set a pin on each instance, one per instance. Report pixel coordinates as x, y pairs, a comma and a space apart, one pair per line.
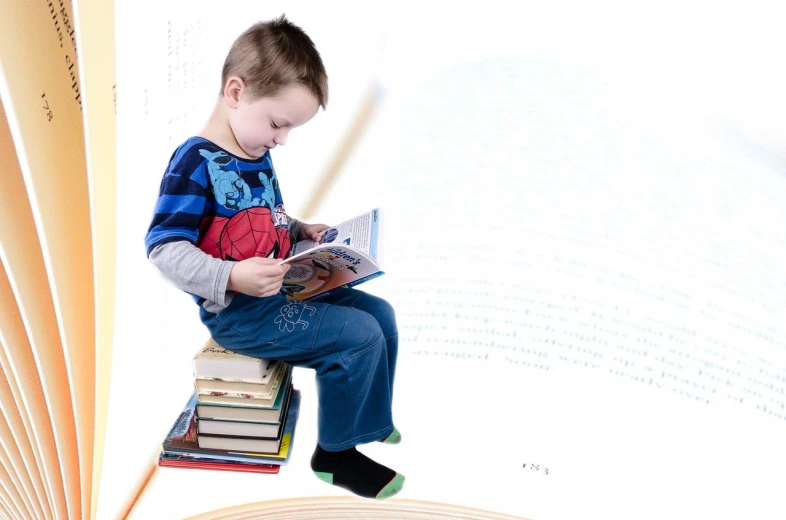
349, 338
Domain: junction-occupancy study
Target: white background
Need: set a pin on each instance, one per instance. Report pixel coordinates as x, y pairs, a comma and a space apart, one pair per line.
671, 66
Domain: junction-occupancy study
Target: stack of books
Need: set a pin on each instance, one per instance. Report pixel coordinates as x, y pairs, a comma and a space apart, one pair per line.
240, 417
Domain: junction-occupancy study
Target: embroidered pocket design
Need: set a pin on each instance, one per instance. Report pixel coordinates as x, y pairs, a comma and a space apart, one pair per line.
292, 314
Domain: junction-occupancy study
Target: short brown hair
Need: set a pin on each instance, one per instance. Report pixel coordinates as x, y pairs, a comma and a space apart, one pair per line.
270, 56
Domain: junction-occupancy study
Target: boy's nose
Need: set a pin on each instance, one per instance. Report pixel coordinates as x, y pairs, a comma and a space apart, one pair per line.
281, 137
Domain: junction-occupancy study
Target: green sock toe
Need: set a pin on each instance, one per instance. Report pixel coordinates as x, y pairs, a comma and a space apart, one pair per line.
327, 477
393, 438
392, 488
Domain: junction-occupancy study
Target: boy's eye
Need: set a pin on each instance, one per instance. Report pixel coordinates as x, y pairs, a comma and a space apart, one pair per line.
273, 125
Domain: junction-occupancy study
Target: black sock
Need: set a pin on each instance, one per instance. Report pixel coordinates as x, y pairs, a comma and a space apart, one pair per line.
353, 471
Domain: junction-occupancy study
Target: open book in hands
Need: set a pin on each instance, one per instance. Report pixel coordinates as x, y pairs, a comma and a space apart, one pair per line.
346, 255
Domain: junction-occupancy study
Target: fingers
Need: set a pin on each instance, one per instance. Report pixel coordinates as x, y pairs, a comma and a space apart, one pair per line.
268, 263
260, 277
269, 289
261, 260
271, 285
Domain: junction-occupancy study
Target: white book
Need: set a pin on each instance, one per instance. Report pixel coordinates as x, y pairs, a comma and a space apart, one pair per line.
245, 444
215, 362
238, 428
235, 389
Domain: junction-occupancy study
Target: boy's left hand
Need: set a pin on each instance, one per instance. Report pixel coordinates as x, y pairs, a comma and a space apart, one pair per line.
311, 231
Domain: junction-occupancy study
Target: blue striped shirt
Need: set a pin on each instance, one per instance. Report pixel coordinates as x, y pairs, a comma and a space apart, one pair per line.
228, 206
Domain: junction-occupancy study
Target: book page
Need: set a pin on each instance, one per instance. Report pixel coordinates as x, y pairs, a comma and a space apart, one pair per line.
14, 430
15, 204
41, 95
360, 233
19, 365
12, 471
618, 277
169, 68
347, 507
10, 498
33, 349
95, 35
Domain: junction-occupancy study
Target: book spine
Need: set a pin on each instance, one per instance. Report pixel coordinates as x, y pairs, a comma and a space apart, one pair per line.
247, 391
234, 402
220, 466
234, 369
238, 395
229, 379
374, 233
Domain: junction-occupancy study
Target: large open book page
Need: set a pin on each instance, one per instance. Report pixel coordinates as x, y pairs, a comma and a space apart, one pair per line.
96, 40
590, 301
41, 95
18, 360
21, 454
589, 307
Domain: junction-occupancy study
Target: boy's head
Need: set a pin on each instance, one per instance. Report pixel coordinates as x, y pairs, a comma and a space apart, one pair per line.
273, 80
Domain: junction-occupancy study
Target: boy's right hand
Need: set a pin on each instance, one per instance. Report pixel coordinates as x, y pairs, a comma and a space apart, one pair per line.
257, 276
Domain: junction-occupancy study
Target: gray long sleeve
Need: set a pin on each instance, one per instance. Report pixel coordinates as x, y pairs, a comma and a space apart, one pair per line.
192, 270
294, 228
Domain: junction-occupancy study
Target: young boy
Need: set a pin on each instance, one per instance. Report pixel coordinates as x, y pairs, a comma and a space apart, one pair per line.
220, 229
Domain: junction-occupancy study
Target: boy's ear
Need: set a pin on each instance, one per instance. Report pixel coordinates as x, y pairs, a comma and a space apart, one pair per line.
233, 90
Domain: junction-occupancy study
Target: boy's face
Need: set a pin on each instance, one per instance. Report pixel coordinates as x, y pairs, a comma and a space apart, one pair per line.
260, 124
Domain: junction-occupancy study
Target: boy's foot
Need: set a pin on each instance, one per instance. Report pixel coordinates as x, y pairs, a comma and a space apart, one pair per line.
393, 438
353, 471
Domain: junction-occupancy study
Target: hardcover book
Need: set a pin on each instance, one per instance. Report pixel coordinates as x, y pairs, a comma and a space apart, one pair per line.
244, 409
181, 461
256, 428
182, 438
216, 362
218, 388
269, 444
